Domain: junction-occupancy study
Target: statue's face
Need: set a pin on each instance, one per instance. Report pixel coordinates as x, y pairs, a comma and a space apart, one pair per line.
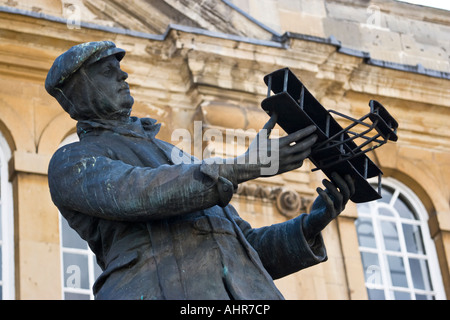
109, 81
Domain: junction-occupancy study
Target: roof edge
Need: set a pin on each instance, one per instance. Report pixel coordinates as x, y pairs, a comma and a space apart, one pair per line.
278, 41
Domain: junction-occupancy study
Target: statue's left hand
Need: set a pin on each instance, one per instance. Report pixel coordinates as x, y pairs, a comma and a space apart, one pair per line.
329, 204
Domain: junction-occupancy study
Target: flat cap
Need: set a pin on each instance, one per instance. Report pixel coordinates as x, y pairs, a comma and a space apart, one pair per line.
72, 60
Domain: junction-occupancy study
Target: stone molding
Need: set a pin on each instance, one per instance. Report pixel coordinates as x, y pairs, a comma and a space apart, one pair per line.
288, 202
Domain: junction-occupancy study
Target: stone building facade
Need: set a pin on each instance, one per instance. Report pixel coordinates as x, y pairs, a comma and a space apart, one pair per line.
198, 66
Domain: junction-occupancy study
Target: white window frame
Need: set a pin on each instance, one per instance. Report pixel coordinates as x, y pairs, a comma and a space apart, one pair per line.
422, 221
7, 216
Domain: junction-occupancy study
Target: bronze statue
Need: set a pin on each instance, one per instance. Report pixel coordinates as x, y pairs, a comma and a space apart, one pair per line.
162, 230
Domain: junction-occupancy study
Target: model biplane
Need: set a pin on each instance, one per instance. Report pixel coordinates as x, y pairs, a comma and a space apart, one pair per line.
336, 149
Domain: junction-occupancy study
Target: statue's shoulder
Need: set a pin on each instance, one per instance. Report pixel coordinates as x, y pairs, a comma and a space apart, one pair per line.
78, 149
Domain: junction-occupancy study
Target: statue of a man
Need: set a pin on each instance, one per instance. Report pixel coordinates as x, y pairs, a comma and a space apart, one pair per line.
162, 230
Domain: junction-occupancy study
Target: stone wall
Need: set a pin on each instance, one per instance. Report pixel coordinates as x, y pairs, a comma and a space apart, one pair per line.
388, 30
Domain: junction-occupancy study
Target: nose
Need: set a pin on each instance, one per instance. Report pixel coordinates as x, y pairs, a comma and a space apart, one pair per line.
123, 75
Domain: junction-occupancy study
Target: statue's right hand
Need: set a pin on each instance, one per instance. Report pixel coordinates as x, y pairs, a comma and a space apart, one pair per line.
268, 157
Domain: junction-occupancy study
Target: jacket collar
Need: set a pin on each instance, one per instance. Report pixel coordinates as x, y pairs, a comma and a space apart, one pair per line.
146, 128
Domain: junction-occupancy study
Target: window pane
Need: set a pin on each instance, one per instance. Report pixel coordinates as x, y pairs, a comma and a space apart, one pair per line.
1, 228
397, 271
385, 212
375, 294
390, 235
424, 297
404, 208
70, 238
420, 274
364, 230
372, 270
400, 295
76, 271
1, 263
76, 296
386, 194
413, 238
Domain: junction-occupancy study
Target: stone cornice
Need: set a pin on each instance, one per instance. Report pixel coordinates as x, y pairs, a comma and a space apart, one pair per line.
277, 40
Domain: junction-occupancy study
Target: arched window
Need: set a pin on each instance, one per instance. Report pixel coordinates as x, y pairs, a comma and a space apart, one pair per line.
78, 263
6, 226
397, 252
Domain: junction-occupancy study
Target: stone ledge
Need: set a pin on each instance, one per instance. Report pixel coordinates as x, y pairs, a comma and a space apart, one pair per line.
26, 162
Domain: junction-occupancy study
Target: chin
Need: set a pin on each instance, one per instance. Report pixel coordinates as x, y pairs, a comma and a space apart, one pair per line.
126, 105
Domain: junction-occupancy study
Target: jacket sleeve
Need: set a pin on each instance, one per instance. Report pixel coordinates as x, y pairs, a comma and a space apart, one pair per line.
282, 247
84, 180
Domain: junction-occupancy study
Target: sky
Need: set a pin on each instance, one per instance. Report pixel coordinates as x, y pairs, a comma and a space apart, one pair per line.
441, 4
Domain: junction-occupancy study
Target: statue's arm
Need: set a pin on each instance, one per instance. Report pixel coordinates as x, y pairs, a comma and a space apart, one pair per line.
287, 247
85, 181
283, 248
